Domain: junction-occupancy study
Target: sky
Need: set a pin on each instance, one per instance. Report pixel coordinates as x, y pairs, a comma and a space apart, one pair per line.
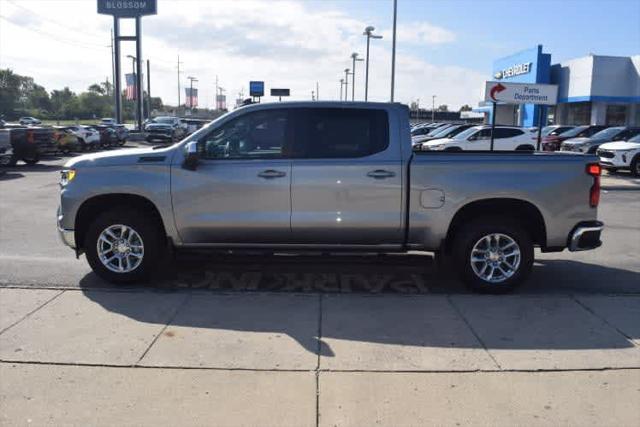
444, 47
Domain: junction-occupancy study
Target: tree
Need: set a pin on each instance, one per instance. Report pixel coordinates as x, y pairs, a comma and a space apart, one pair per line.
9, 92
466, 107
442, 107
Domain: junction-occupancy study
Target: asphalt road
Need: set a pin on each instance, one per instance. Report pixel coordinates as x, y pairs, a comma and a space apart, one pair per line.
32, 256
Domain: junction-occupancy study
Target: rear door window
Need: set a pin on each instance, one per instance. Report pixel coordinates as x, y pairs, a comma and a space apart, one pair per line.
325, 133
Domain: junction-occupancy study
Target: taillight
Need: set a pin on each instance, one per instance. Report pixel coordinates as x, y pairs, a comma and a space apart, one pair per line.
30, 138
595, 170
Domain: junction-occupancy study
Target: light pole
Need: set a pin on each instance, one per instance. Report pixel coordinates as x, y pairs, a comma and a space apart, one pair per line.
354, 57
346, 84
433, 108
369, 33
393, 48
191, 80
341, 85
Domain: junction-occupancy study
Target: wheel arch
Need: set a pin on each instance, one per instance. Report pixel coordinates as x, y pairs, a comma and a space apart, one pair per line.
95, 205
524, 212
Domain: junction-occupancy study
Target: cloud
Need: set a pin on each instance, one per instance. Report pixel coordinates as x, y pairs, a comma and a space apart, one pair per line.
421, 33
287, 44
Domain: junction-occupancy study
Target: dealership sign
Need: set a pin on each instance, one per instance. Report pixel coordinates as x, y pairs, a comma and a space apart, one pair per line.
514, 70
127, 8
280, 92
521, 93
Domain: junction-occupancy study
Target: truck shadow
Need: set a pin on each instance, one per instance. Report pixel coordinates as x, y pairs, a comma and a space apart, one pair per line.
338, 298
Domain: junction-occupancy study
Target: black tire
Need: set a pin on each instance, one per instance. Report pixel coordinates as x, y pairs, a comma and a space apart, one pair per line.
152, 238
635, 165
453, 149
12, 161
525, 148
32, 160
471, 233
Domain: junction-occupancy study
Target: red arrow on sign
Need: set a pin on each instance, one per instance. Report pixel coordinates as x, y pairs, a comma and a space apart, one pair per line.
496, 89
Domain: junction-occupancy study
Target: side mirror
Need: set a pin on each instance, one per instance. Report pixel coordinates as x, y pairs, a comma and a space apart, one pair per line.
191, 157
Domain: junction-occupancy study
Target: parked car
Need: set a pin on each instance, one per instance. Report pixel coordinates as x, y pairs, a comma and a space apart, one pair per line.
88, 137
108, 121
591, 144
29, 121
621, 155
193, 125
67, 140
443, 132
507, 138
6, 151
553, 142
30, 143
277, 175
165, 128
108, 136
122, 132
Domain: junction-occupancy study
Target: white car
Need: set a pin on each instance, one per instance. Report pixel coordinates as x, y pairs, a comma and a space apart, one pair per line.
86, 134
108, 121
478, 138
621, 155
29, 121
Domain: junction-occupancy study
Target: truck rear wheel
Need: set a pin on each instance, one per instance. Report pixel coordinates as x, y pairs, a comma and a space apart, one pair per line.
493, 255
123, 246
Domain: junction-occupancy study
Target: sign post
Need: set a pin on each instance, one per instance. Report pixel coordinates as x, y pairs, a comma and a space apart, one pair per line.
519, 93
128, 9
256, 89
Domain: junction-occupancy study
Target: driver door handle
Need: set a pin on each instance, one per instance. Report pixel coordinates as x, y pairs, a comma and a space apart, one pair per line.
271, 173
381, 174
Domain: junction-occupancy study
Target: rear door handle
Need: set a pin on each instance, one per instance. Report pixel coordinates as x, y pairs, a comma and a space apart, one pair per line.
381, 174
270, 173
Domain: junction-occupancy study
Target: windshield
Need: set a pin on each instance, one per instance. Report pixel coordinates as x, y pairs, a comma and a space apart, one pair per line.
635, 139
442, 133
438, 130
166, 120
467, 133
607, 133
573, 132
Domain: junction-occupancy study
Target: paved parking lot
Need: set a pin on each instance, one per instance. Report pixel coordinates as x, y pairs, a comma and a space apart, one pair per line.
310, 339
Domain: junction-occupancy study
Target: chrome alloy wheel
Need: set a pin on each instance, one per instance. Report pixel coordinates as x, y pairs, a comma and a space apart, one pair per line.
120, 248
495, 257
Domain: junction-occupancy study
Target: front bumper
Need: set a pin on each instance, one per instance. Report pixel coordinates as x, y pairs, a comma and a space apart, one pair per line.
585, 236
68, 237
615, 159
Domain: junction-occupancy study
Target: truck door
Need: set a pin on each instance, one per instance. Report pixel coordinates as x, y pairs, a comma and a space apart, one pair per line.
240, 191
346, 186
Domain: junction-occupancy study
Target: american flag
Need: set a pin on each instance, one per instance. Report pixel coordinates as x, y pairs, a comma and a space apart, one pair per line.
192, 97
131, 86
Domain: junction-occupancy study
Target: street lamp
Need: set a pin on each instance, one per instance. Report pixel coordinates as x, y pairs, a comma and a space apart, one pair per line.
369, 33
433, 108
346, 84
191, 80
341, 85
354, 57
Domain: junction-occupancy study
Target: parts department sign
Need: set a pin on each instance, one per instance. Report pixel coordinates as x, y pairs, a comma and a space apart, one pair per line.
521, 93
127, 8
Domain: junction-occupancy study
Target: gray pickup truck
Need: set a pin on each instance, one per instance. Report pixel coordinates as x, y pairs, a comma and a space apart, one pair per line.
327, 176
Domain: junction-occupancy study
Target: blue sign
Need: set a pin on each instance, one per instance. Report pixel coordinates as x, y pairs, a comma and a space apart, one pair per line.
127, 8
256, 88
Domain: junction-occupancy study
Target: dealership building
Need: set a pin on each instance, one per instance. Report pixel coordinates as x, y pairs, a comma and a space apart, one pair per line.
595, 89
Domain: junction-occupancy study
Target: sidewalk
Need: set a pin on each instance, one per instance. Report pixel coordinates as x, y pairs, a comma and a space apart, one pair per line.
197, 357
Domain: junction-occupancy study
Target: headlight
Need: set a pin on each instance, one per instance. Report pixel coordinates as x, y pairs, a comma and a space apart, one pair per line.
437, 147
66, 176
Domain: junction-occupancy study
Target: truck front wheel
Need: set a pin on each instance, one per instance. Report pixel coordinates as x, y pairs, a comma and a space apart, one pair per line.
493, 255
123, 246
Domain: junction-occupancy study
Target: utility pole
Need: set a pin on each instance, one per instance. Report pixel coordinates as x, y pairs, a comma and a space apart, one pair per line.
148, 89
369, 33
433, 108
346, 84
393, 48
354, 57
179, 81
